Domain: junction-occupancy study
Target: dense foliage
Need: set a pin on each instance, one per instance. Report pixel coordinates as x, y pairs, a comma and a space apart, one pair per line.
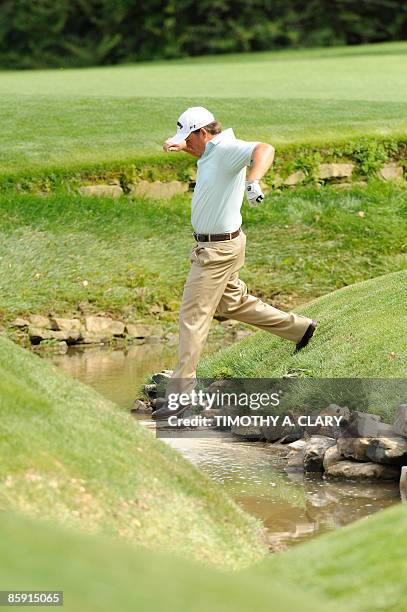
53, 33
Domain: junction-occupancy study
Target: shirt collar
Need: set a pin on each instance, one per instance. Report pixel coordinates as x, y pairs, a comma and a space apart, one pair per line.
227, 134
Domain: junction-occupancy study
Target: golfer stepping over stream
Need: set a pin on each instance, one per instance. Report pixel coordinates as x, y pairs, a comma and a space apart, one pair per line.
213, 283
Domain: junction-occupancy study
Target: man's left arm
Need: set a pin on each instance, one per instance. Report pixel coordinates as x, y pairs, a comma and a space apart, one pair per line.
262, 159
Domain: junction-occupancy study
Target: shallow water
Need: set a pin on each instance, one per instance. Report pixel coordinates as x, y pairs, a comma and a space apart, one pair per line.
292, 506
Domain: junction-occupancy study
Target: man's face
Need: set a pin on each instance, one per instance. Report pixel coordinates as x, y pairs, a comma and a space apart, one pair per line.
196, 142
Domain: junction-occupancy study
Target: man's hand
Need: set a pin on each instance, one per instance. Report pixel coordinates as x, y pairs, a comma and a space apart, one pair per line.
169, 146
254, 193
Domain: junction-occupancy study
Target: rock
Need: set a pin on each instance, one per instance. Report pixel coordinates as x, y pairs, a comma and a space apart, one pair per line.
295, 458
62, 347
272, 433
248, 432
354, 469
332, 456
334, 170
140, 330
289, 438
391, 172
104, 326
295, 178
140, 407
334, 431
44, 328
37, 334
403, 484
71, 328
387, 450
363, 424
150, 390
297, 445
157, 189
102, 191
161, 376
92, 338
400, 421
19, 322
314, 452
158, 402
353, 448
66, 325
335, 410
295, 461
40, 321
161, 380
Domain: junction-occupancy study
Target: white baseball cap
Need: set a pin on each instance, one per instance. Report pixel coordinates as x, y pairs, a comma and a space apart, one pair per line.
192, 119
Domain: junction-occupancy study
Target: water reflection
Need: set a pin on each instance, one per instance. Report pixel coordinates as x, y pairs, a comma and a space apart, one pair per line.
116, 374
292, 506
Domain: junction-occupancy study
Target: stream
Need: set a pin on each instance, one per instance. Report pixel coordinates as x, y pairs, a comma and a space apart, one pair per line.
293, 507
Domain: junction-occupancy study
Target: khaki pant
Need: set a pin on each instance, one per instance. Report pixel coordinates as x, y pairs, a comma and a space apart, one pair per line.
213, 285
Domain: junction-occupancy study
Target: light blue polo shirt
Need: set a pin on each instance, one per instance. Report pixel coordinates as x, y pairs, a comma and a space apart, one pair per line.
220, 183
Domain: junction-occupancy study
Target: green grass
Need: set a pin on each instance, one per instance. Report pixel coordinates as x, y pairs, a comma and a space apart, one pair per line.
70, 456
73, 118
361, 333
361, 566
299, 246
97, 573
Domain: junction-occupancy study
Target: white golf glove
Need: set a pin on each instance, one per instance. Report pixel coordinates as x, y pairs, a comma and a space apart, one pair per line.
254, 193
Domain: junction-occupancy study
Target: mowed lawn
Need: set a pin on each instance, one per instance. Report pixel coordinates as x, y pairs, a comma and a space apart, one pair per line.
361, 333
79, 117
117, 255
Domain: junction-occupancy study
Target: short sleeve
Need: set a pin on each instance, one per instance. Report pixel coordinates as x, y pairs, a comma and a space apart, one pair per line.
238, 154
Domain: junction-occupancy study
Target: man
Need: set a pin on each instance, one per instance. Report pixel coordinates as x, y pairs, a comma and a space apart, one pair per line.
213, 283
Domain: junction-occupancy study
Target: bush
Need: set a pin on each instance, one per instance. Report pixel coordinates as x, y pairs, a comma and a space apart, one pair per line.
56, 33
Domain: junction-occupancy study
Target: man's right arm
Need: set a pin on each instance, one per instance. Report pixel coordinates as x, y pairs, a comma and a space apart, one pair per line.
169, 146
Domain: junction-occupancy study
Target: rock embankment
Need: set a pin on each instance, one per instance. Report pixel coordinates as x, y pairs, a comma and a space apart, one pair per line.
365, 448
336, 173
95, 329
362, 447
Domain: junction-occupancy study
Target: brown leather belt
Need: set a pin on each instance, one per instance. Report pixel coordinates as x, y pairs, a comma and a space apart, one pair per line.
210, 237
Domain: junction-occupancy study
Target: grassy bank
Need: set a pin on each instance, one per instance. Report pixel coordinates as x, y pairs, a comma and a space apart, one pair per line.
359, 567
299, 246
360, 334
56, 120
72, 457
96, 573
